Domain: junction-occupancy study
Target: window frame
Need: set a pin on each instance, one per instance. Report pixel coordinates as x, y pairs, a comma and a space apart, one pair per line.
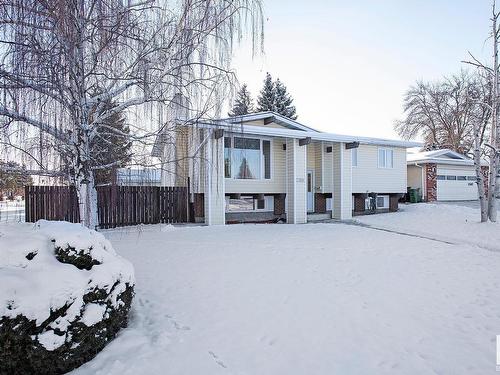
261, 158
386, 202
385, 151
268, 204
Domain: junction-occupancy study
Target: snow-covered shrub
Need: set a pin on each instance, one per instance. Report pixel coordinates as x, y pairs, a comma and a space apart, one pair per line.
64, 294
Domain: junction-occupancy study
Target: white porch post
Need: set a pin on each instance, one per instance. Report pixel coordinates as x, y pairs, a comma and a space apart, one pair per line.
342, 182
296, 197
214, 182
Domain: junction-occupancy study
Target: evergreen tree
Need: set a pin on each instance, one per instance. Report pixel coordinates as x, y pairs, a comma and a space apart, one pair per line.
283, 101
267, 97
111, 146
243, 103
13, 178
275, 97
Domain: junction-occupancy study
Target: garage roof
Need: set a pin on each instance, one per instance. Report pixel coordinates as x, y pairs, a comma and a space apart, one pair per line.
442, 156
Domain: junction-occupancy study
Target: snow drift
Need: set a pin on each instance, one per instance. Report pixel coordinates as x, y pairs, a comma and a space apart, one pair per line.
64, 295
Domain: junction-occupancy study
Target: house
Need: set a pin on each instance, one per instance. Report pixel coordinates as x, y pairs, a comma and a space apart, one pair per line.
443, 175
266, 167
138, 177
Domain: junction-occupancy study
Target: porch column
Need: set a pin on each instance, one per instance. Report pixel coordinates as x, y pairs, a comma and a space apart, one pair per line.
296, 197
214, 182
342, 182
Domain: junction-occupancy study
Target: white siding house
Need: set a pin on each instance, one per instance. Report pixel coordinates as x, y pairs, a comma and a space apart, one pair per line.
265, 167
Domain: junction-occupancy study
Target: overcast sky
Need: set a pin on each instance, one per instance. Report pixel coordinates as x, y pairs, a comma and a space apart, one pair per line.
347, 64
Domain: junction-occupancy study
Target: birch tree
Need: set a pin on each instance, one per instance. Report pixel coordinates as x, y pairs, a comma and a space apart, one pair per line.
62, 61
492, 72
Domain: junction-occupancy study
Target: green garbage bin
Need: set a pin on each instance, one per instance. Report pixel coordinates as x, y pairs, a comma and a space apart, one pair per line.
413, 196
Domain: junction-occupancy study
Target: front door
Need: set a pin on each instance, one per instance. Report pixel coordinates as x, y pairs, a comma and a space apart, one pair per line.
310, 191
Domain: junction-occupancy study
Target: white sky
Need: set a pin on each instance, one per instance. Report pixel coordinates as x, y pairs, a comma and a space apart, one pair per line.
347, 64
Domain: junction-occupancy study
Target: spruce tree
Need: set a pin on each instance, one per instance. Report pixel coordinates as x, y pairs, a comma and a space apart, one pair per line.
243, 103
267, 97
112, 145
275, 97
283, 101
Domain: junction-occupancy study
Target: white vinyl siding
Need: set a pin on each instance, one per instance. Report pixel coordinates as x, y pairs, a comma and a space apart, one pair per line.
367, 177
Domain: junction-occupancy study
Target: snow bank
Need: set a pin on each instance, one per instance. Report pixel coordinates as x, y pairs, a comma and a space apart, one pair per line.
65, 293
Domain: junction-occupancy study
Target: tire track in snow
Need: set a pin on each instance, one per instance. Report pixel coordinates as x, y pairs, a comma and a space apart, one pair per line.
422, 236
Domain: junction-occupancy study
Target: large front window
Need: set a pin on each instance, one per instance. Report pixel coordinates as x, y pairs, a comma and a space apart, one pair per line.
247, 158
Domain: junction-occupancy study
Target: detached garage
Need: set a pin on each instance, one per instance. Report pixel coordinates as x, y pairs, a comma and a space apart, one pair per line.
442, 175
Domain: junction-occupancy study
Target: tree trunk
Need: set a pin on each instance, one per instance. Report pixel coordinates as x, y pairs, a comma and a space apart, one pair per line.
87, 198
492, 182
479, 175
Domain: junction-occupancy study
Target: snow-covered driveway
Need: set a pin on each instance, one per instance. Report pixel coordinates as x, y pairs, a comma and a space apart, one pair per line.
304, 299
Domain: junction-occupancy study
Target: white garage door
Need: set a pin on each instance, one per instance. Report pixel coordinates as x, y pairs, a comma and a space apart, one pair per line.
456, 184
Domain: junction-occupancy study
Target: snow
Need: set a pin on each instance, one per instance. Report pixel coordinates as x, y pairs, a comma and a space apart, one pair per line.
33, 288
455, 223
310, 299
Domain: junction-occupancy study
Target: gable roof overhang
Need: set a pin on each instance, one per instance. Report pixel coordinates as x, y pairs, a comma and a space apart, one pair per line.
269, 117
443, 156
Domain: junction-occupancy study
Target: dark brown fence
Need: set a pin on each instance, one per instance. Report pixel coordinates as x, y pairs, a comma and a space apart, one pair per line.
131, 205
51, 203
116, 205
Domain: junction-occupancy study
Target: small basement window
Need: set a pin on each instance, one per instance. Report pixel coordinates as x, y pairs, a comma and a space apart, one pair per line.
451, 178
382, 201
441, 177
471, 178
249, 204
461, 178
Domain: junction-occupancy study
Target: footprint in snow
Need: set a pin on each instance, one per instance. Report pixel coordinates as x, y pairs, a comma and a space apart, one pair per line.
216, 359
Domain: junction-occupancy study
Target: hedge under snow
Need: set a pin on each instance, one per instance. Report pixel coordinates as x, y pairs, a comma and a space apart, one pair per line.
64, 294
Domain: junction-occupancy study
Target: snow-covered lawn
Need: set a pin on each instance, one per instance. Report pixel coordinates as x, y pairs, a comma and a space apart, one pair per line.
307, 299
456, 223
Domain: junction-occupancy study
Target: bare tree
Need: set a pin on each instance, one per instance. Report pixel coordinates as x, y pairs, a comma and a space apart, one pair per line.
62, 61
493, 152
444, 114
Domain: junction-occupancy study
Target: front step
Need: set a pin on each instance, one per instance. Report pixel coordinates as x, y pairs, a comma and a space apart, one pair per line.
318, 217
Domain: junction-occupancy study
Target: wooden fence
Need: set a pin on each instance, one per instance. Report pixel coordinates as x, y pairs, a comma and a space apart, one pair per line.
51, 203
116, 205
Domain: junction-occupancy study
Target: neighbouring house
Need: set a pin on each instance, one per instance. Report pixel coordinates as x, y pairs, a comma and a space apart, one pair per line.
266, 167
138, 177
443, 175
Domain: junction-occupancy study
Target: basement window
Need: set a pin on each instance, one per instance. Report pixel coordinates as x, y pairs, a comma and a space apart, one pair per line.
249, 204
451, 178
382, 201
441, 177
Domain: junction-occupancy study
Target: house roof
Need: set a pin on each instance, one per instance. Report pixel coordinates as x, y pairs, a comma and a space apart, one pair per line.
269, 117
442, 156
293, 131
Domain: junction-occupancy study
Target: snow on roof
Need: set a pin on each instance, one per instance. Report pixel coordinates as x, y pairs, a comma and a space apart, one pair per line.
441, 156
299, 134
272, 117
